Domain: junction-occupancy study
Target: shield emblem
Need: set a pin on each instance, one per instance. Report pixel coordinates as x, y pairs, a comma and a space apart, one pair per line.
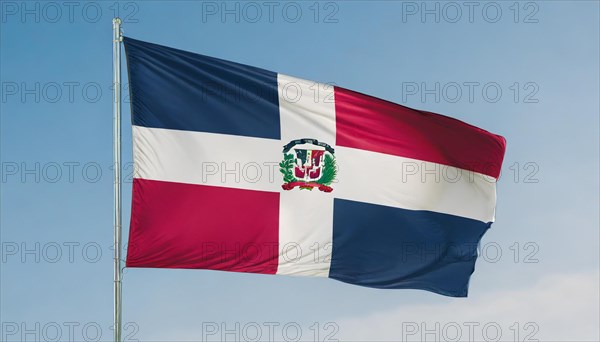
308, 164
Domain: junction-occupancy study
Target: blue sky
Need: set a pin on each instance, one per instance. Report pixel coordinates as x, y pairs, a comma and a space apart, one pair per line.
539, 267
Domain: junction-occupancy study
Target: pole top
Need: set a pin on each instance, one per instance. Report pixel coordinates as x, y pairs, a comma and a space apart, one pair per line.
118, 34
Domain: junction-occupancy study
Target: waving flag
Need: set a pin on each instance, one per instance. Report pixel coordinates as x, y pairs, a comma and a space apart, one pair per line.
243, 169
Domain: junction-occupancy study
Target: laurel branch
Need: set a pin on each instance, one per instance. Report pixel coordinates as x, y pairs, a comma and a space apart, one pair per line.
286, 166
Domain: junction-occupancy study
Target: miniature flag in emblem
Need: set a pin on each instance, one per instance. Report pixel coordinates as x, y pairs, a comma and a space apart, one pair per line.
243, 169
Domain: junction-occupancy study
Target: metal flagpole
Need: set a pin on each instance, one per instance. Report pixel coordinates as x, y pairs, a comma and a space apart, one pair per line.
117, 38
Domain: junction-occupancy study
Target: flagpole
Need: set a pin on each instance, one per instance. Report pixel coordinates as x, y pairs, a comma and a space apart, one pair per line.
117, 38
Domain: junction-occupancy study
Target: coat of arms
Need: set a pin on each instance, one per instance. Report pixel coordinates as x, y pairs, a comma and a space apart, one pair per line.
308, 164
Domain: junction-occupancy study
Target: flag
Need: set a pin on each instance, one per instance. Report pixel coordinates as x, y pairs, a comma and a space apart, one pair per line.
247, 170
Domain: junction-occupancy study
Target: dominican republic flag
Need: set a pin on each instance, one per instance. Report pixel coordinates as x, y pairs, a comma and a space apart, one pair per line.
246, 170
